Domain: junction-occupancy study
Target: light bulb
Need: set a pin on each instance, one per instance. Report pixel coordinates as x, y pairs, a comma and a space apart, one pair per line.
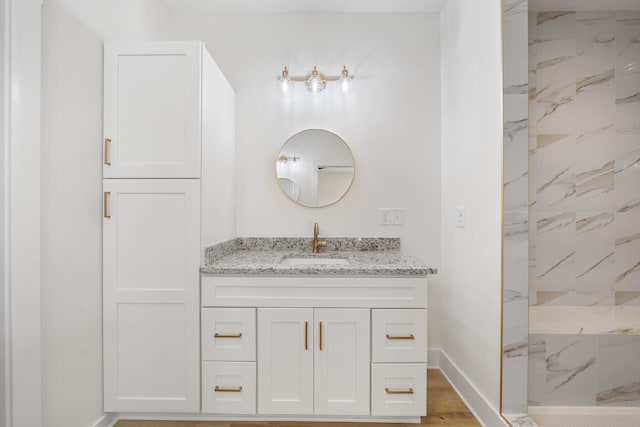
314, 83
345, 84
284, 83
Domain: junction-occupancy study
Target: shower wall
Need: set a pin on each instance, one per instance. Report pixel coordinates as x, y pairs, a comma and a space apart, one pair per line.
584, 205
515, 329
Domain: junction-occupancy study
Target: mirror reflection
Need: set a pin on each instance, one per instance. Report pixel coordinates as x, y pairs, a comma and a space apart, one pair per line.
315, 168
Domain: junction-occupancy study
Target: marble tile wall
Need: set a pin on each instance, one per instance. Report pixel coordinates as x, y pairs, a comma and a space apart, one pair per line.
584, 370
584, 199
516, 213
584, 158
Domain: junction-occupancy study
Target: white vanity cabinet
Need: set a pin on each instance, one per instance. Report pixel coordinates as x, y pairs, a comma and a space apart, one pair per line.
229, 360
341, 361
313, 361
168, 122
327, 347
399, 353
285, 365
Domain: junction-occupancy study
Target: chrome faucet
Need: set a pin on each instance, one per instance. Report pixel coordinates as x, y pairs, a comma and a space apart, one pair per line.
317, 244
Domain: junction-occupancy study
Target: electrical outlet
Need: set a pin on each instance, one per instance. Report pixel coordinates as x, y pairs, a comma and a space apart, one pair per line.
384, 216
397, 216
461, 217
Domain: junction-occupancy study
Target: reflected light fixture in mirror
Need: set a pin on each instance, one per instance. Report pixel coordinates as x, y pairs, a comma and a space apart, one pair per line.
315, 82
286, 159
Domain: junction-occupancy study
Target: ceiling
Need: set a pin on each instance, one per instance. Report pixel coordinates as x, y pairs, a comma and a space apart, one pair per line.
188, 7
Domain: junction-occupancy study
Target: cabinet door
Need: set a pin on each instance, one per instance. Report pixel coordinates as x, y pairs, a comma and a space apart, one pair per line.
152, 109
285, 361
341, 367
151, 254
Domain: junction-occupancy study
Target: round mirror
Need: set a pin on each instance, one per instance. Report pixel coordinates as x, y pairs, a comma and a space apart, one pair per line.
315, 168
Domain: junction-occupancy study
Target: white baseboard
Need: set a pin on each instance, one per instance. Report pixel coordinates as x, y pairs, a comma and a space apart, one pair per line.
107, 420
475, 401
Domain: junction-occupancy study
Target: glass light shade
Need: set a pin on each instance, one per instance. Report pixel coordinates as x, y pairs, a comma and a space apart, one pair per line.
285, 85
314, 83
345, 84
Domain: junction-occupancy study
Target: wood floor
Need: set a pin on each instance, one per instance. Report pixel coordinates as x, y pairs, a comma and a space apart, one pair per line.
443, 406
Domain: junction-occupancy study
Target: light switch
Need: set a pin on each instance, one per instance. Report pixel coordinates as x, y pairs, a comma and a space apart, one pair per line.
385, 216
397, 216
461, 217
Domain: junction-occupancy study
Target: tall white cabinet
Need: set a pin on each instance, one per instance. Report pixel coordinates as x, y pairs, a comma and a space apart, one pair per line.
168, 121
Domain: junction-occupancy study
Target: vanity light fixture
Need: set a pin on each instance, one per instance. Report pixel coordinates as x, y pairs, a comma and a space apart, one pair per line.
315, 82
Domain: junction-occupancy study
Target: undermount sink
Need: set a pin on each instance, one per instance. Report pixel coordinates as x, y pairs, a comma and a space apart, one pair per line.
314, 261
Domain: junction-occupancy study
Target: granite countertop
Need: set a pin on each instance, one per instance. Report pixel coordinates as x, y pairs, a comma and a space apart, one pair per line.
264, 256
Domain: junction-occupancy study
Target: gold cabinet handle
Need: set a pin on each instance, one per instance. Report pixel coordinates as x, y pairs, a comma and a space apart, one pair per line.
105, 204
107, 144
228, 390
400, 337
217, 335
306, 335
320, 336
410, 391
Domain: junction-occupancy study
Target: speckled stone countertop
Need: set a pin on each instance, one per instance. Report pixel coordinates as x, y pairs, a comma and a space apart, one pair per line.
264, 256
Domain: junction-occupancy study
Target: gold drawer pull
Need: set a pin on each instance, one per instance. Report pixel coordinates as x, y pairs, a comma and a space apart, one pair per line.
408, 337
320, 336
217, 335
306, 335
107, 142
410, 391
228, 390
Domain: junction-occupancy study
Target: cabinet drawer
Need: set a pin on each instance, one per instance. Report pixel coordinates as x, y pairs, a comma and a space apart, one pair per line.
399, 335
399, 389
229, 334
229, 387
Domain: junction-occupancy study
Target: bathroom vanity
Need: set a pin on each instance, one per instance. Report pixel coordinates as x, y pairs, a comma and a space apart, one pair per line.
339, 334
253, 328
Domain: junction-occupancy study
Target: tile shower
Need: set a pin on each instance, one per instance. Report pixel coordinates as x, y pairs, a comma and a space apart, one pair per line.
584, 209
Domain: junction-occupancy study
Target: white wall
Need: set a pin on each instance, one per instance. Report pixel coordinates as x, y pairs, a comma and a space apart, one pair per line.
471, 178
71, 184
391, 121
120, 19
3, 206
21, 28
